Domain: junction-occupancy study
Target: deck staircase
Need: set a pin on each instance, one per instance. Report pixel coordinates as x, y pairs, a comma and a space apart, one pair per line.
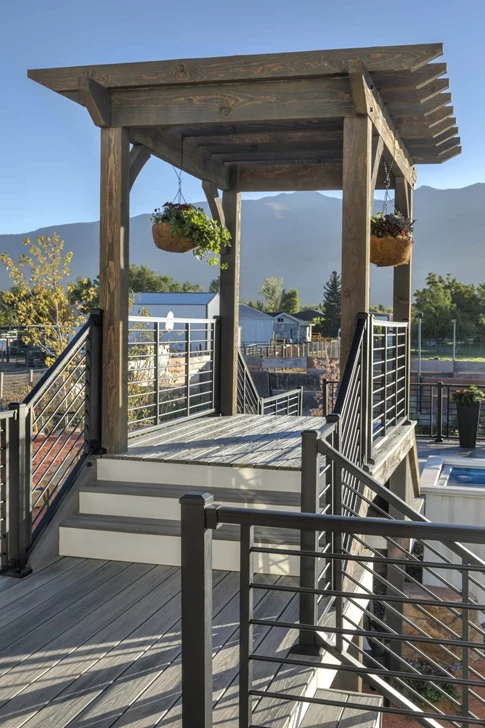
140, 522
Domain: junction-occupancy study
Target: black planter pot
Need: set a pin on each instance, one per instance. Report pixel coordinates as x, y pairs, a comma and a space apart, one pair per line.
468, 424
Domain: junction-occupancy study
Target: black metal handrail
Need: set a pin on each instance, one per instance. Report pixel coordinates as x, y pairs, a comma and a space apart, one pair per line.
172, 370
368, 601
250, 402
50, 435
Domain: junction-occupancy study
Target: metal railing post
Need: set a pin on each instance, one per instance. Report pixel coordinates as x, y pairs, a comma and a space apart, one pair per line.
310, 503
216, 363
367, 405
156, 372
245, 626
465, 636
187, 367
300, 402
196, 542
325, 396
439, 417
20, 490
338, 564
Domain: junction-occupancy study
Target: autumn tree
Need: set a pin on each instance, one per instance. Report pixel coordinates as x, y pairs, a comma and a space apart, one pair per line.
40, 296
290, 301
332, 305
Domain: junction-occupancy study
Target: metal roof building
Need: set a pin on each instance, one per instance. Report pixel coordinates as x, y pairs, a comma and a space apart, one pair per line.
182, 305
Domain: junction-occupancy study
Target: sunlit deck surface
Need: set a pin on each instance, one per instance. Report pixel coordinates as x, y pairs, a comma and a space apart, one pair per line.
97, 643
243, 440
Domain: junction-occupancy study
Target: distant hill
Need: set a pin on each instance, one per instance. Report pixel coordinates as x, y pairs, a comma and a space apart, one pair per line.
296, 236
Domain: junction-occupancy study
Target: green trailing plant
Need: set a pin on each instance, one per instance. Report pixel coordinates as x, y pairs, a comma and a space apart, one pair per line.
393, 225
426, 688
191, 222
466, 397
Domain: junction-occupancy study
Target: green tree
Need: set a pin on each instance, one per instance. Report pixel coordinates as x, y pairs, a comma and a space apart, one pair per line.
332, 304
271, 291
215, 286
143, 279
380, 308
290, 301
41, 295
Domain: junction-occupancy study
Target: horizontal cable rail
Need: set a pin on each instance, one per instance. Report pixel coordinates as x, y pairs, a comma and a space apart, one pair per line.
433, 408
416, 606
250, 402
172, 369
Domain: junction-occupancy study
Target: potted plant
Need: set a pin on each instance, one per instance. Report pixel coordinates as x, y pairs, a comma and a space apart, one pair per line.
178, 228
391, 239
468, 411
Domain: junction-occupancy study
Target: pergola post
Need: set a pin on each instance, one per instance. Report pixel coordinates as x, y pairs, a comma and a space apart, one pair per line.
356, 212
113, 286
229, 298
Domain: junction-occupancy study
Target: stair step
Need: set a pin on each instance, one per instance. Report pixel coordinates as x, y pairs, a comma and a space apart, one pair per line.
333, 716
157, 541
155, 501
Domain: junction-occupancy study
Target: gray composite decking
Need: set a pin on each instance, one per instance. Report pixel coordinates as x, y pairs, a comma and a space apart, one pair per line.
90, 643
242, 440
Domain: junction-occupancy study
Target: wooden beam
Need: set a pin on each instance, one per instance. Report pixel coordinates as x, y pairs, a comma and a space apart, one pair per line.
241, 68
283, 156
368, 102
229, 299
433, 144
431, 158
215, 203
415, 96
410, 79
377, 149
420, 130
139, 156
268, 101
113, 286
274, 178
97, 100
356, 213
268, 140
450, 144
414, 125
167, 145
423, 111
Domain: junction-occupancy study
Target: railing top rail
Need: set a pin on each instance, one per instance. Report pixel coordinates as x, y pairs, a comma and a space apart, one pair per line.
390, 324
290, 393
423, 530
7, 414
50, 375
164, 320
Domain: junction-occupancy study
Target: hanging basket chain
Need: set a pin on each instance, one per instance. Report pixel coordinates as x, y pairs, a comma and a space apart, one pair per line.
387, 182
179, 197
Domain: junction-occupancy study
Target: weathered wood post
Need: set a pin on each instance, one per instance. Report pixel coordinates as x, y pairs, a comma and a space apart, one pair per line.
229, 298
113, 286
356, 212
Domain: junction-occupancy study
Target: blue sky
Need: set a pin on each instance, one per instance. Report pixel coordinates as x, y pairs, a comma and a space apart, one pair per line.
49, 165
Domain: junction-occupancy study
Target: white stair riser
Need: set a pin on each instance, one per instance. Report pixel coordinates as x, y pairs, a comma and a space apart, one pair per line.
161, 550
199, 476
145, 506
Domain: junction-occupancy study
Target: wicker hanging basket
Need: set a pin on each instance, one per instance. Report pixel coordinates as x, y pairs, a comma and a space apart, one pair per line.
163, 239
390, 251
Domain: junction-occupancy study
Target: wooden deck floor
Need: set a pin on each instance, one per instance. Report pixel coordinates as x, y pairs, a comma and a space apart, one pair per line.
88, 643
242, 440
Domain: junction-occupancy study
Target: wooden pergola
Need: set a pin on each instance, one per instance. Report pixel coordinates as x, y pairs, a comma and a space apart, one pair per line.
317, 120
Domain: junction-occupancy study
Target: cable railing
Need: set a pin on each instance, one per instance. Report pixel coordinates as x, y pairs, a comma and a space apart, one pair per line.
47, 437
172, 369
433, 408
385, 581
249, 401
328, 348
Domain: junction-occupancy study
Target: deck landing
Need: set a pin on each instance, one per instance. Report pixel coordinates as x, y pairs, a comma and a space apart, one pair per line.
259, 441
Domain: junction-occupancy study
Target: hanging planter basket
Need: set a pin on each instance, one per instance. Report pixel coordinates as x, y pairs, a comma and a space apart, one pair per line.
390, 251
163, 239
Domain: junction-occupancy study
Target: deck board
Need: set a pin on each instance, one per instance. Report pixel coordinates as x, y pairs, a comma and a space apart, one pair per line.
105, 650
243, 441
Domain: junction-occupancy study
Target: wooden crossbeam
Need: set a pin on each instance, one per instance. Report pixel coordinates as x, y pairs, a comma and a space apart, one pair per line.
422, 110
266, 142
368, 102
167, 145
410, 79
274, 66
415, 96
215, 203
139, 156
280, 178
269, 101
97, 100
431, 158
311, 155
377, 150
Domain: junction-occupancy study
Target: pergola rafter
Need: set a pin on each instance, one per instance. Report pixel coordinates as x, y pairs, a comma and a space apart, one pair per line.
311, 120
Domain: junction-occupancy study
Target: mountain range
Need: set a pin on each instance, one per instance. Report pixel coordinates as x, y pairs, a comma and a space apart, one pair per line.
297, 237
